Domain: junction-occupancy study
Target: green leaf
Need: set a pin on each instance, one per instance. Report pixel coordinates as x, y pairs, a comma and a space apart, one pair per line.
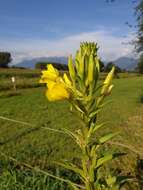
77, 108
92, 114
74, 168
104, 159
96, 127
107, 137
73, 136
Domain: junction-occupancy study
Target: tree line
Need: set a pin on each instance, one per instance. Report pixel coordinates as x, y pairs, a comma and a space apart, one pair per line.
5, 59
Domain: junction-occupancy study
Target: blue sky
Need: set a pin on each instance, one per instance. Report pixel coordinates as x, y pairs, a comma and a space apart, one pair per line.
41, 28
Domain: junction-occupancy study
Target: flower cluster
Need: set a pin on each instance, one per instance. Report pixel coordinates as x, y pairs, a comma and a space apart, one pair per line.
58, 87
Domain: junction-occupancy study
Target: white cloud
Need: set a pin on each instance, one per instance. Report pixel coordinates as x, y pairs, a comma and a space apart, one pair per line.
111, 46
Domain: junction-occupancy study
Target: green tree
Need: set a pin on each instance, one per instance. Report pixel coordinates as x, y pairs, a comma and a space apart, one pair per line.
139, 14
139, 44
140, 65
110, 65
40, 65
5, 59
43, 65
101, 65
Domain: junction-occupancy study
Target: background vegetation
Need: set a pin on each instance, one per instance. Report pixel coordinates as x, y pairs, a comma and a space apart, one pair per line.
38, 146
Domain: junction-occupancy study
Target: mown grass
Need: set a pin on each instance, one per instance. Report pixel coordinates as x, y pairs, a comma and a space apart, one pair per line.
40, 147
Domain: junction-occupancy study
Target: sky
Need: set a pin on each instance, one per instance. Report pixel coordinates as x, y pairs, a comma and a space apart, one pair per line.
43, 28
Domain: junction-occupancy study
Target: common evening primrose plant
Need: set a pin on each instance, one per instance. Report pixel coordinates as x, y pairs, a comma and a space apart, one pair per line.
86, 96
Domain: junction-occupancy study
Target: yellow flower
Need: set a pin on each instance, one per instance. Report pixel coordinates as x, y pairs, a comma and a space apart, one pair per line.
50, 74
57, 91
58, 87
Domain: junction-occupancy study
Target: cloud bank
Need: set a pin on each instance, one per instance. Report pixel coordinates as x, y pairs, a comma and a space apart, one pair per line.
111, 46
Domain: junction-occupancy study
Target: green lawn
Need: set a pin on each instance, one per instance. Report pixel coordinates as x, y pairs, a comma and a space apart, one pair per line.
40, 146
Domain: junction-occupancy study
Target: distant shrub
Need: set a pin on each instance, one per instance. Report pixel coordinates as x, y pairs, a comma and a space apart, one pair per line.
5, 59
59, 66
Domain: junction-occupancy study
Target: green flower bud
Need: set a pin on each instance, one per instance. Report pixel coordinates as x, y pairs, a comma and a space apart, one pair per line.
97, 64
91, 68
71, 68
81, 68
109, 90
108, 81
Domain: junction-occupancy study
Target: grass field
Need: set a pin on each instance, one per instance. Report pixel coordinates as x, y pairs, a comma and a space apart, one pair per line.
40, 147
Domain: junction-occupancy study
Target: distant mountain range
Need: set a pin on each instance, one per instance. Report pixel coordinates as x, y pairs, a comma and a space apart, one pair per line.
126, 63
123, 62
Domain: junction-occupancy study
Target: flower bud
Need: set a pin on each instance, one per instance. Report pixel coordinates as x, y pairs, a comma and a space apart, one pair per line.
108, 92
81, 68
71, 68
108, 80
97, 64
91, 68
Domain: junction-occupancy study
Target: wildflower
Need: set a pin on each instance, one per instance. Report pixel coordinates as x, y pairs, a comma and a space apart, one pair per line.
57, 86
50, 74
57, 92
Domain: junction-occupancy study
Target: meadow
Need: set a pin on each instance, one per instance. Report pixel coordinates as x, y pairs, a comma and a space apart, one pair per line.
32, 141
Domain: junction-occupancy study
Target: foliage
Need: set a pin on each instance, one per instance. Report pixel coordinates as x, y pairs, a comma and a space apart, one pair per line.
43, 65
17, 177
110, 65
5, 58
140, 64
81, 92
102, 66
40, 147
139, 14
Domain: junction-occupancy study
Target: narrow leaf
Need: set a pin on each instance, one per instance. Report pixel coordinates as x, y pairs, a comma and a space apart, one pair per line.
104, 159
73, 168
96, 127
107, 137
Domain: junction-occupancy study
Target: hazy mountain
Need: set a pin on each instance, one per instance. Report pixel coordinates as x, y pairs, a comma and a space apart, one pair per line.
30, 63
126, 63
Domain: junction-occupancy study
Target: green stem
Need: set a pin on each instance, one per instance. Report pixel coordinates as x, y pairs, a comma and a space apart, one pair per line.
87, 162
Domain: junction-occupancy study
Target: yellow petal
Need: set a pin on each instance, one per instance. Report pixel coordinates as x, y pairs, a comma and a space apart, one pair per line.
50, 84
50, 74
41, 81
47, 75
53, 70
66, 79
60, 80
57, 92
